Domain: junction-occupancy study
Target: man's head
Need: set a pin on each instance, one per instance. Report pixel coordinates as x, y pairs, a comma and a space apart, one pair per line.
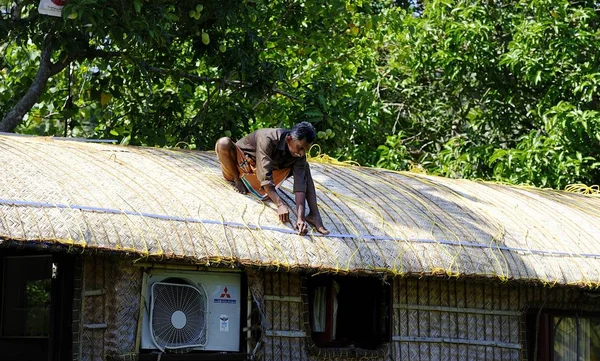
301, 137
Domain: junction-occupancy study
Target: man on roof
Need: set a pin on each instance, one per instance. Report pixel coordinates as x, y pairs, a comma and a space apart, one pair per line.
262, 160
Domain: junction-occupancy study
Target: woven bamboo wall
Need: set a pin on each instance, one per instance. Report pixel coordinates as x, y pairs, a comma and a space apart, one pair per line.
433, 319
110, 308
456, 320
284, 315
466, 319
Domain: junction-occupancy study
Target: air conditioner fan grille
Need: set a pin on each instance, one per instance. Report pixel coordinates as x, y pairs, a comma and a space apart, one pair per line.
178, 315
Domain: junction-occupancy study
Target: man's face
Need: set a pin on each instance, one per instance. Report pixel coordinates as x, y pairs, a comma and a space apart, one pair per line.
298, 148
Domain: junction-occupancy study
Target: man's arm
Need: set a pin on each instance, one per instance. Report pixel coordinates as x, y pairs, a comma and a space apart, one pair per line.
299, 172
284, 211
310, 195
301, 224
282, 208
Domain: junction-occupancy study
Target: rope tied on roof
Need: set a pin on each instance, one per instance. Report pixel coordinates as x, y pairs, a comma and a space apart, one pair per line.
581, 188
326, 159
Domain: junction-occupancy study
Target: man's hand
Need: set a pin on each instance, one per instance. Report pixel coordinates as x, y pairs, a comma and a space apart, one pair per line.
282, 210
284, 213
301, 226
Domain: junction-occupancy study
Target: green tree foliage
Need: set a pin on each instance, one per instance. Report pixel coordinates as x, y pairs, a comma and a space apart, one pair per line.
499, 90
505, 90
188, 72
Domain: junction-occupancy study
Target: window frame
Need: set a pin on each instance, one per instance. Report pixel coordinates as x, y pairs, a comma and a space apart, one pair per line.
382, 313
4, 298
540, 326
59, 342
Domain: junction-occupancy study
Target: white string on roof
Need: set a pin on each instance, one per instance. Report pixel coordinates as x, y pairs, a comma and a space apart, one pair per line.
13, 202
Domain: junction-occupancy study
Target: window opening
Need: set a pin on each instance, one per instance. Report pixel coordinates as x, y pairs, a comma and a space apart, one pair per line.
564, 336
27, 296
349, 311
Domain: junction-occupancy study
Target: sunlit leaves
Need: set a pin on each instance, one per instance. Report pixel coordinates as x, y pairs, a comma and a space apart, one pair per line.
505, 91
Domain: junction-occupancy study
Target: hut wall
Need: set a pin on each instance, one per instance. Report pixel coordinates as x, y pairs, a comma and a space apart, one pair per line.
284, 317
466, 319
457, 319
433, 318
109, 308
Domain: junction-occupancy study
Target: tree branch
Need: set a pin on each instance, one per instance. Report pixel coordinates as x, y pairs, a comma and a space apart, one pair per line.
16, 10
46, 70
12, 119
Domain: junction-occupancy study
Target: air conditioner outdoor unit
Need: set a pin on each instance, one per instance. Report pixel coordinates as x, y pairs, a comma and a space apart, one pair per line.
191, 311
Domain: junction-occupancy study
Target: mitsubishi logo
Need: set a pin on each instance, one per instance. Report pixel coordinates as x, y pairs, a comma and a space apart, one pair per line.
225, 296
225, 293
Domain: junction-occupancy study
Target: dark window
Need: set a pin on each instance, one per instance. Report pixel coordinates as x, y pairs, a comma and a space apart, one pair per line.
26, 290
36, 306
563, 336
349, 311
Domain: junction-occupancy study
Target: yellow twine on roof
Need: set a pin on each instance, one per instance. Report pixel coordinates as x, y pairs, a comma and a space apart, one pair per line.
181, 142
416, 168
324, 158
583, 189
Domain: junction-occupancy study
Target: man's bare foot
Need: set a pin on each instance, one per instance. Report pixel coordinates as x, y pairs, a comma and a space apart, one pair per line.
239, 186
317, 222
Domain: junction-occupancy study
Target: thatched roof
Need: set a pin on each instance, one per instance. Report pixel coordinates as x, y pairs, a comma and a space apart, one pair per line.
174, 204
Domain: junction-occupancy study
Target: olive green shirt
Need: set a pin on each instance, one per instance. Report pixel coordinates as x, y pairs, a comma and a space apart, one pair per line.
268, 148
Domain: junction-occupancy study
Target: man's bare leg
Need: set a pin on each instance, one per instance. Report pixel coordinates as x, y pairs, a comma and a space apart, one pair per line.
313, 217
227, 154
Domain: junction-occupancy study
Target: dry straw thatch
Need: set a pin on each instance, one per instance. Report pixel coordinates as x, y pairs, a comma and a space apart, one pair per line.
174, 204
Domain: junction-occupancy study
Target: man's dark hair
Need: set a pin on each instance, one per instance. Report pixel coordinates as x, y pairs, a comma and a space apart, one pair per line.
304, 130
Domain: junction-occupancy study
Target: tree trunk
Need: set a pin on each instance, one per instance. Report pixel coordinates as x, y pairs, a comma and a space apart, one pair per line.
12, 119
